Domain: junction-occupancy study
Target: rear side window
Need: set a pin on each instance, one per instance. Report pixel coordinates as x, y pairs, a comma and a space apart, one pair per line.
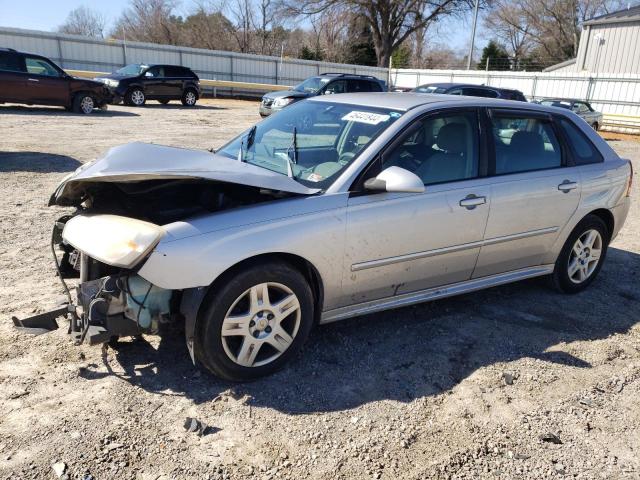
583, 150
524, 144
177, 72
375, 86
11, 62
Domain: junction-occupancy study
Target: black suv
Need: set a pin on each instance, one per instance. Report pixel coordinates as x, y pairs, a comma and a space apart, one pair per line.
325, 84
471, 91
136, 83
36, 80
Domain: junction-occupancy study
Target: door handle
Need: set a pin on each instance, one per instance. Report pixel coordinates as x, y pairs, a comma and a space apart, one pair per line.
33, 79
471, 201
567, 185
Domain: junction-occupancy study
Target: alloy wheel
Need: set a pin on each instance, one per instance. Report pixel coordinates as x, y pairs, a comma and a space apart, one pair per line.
190, 98
137, 97
87, 105
585, 256
261, 324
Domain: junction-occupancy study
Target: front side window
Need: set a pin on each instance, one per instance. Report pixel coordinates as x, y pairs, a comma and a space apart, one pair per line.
584, 152
524, 144
38, 66
155, 72
443, 148
313, 142
430, 89
339, 86
10, 62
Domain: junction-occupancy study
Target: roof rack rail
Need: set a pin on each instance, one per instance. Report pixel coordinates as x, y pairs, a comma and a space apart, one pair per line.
338, 74
7, 49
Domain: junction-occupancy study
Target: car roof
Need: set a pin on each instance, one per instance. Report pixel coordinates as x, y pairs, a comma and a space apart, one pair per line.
407, 101
557, 99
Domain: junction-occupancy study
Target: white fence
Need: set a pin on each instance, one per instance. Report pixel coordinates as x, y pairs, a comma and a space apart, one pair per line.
81, 53
616, 95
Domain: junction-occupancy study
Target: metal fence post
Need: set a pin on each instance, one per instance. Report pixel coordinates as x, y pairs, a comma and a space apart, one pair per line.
590, 89
231, 71
180, 54
60, 52
275, 62
533, 88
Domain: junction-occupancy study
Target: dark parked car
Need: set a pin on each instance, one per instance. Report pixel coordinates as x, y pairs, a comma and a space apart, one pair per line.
324, 84
36, 80
471, 91
581, 108
137, 83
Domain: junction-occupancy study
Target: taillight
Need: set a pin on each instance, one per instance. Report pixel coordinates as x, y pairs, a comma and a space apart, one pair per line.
630, 180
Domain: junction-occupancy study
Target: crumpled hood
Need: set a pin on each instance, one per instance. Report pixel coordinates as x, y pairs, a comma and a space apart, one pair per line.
135, 162
287, 93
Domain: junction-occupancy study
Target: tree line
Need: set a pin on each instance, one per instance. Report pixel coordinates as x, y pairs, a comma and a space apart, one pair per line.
521, 34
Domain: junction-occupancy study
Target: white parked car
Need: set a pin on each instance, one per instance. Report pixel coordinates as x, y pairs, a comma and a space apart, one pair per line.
385, 200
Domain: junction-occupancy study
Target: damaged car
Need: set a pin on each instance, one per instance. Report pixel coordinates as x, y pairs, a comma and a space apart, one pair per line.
384, 201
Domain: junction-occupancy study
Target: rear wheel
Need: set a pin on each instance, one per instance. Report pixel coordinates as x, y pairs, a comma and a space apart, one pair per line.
135, 97
83, 103
255, 322
189, 98
582, 255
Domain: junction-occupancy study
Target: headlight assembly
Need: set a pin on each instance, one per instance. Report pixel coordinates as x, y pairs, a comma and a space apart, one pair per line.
282, 102
112, 239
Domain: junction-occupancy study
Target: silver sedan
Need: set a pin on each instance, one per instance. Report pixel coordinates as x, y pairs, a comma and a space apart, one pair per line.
379, 201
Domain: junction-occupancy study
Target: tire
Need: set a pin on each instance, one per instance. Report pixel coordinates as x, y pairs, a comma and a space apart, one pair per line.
251, 353
575, 269
83, 103
163, 102
189, 97
135, 97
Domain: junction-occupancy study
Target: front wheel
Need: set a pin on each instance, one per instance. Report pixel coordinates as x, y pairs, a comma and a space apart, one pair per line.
83, 103
255, 322
135, 97
582, 256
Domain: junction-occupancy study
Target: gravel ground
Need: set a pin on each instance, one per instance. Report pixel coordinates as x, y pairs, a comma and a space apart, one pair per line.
513, 382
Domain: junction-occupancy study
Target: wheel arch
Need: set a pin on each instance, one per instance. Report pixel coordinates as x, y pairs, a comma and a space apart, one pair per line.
194, 298
607, 217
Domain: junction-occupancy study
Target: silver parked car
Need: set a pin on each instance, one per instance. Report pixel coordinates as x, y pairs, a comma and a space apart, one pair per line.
386, 200
581, 108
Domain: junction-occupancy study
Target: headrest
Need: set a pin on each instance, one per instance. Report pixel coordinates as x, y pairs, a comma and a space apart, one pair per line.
527, 142
452, 138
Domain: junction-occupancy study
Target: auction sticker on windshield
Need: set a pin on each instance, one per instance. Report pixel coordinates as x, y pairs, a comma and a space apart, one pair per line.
365, 117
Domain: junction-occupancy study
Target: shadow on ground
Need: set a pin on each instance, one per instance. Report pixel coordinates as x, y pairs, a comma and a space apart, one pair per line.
37, 162
41, 111
178, 106
412, 352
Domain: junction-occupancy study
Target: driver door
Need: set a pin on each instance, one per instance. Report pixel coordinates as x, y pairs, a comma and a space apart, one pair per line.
398, 243
45, 84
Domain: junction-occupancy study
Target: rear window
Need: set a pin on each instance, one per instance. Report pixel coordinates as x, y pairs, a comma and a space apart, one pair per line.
584, 152
11, 62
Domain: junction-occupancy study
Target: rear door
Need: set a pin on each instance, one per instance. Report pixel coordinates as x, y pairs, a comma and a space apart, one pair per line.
175, 78
46, 84
13, 81
534, 191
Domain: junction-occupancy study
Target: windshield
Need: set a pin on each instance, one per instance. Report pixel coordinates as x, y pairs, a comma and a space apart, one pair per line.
311, 85
311, 141
430, 89
133, 69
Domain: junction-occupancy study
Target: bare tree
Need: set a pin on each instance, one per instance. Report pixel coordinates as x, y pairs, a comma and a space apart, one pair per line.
391, 21
242, 15
84, 21
150, 21
508, 23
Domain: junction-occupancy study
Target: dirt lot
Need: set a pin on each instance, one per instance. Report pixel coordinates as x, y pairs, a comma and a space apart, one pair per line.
458, 388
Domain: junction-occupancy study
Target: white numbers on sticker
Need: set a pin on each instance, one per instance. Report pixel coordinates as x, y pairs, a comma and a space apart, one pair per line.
365, 117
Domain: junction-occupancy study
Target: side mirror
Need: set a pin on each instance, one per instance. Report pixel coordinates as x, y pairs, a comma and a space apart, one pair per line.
395, 179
